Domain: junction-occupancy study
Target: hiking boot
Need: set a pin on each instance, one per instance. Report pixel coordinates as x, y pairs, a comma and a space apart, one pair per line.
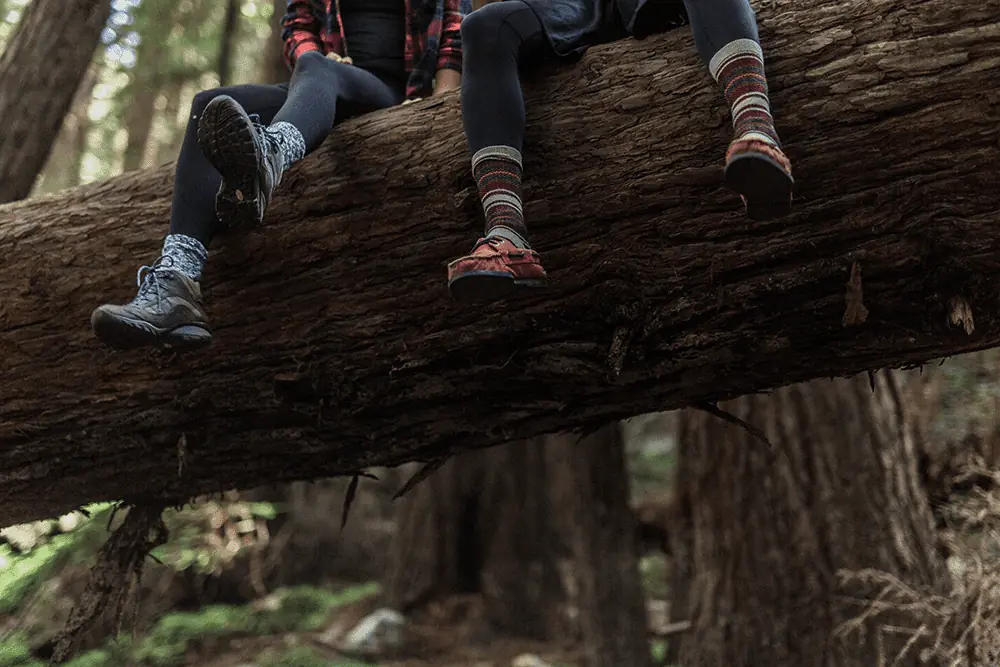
762, 175
249, 160
495, 269
167, 312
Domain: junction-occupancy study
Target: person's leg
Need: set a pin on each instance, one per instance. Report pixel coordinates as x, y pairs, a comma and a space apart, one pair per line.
496, 40
725, 33
252, 157
168, 308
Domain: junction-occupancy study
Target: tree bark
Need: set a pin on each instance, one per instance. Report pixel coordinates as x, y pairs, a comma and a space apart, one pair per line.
230, 26
769, 527
485, 524
40, 72
337, 347
611, 600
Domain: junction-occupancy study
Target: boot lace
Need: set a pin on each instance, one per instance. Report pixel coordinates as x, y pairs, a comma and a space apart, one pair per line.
148, 278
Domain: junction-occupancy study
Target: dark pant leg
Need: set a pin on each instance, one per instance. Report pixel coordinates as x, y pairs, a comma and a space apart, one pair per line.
323, 91
195, 179
496, 40
716, 23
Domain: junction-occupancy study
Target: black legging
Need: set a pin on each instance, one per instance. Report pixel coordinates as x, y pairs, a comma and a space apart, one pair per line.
496, 39
322, 92
500, 37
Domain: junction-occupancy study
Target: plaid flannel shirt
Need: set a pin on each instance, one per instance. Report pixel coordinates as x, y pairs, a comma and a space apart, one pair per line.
433, 36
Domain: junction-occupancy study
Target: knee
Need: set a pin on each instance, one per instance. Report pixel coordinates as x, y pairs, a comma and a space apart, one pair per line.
202, 99
314, 61
484, 30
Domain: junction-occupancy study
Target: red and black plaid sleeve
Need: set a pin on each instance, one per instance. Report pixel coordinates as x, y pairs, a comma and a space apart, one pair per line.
450, 49
300, 30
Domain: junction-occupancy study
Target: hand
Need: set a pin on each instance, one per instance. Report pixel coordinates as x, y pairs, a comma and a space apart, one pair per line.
447, 79
339, 58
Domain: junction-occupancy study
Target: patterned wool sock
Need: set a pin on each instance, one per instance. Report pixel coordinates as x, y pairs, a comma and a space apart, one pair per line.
187, 255
497, 170
288, 141
739, 68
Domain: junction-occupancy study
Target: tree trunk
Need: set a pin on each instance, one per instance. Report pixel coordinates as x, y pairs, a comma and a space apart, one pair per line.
273, 68
66, 159
230, 26
771, 526
337, 346
172, 132
611, 598
40, 71
483, 524
148, 77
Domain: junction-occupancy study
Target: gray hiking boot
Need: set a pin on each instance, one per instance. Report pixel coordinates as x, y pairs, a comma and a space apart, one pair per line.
167, 312
248, 158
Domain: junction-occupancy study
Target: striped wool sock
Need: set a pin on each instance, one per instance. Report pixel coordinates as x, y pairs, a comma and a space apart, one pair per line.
739, 68
497, 170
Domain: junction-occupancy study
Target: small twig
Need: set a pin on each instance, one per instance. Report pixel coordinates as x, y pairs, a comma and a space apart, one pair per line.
716, 411
420, 476
673, 629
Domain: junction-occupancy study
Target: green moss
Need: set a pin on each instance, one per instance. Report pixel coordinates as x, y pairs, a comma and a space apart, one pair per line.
300, 609
658, 648
100, 658
15, 652
23, 573
654, 576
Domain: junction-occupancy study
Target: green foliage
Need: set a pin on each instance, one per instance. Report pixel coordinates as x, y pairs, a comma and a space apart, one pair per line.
653, 570
299, 609
21, 574
658, 648
15, 652
208, 537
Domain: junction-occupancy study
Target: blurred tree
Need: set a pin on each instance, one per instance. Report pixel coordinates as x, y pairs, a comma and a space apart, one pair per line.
230, 29
62, 170
764, 530
611, 600
482, 524
506, 522
155, 20
40, 71
274, 69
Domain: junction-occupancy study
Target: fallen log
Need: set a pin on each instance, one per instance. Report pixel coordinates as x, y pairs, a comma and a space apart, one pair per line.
337, 347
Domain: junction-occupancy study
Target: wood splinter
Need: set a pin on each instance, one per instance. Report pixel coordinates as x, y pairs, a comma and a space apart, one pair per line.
960, 314
856, 313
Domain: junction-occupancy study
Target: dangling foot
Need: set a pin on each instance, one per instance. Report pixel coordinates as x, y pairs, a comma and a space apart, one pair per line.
249, 160
761, 173
167, 312
494, 270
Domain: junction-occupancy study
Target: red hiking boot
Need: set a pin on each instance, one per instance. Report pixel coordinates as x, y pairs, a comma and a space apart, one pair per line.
762, 175
495, 269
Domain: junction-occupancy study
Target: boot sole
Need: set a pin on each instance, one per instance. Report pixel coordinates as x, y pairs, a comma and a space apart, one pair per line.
481, 286
123, 333
225, 135
766, 187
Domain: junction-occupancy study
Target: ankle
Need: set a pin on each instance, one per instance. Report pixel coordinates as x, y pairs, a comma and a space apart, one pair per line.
286, 140
184, 254
517, 236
